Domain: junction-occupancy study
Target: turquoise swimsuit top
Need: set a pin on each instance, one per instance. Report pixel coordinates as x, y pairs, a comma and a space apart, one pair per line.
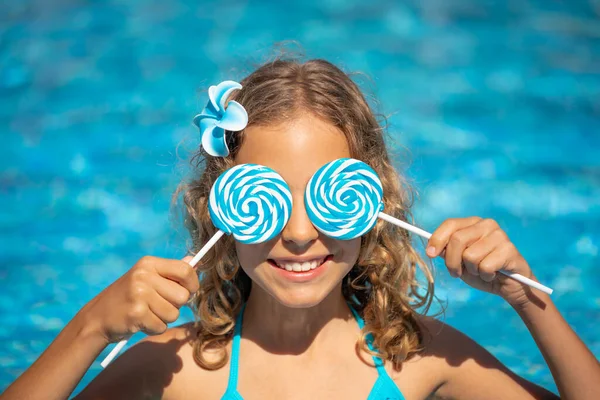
383, 389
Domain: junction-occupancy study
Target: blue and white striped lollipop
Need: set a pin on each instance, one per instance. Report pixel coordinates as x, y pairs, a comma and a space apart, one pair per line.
250, 201
344, 198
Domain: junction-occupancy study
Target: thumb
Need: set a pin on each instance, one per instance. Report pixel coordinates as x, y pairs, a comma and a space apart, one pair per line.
187, 259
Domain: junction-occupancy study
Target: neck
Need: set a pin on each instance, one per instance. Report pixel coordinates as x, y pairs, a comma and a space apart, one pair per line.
283, 330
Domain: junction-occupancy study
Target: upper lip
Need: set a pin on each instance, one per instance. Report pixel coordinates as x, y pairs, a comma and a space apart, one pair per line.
299, 259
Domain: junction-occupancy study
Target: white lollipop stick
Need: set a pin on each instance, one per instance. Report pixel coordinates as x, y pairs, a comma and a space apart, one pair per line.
192, 263
218, 234
427, 235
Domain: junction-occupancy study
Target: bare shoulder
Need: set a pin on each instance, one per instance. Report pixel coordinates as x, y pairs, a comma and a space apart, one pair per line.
425, 372
158, 367
467, 370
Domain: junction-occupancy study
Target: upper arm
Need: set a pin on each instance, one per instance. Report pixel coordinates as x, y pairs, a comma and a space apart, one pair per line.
471, 372
145, 371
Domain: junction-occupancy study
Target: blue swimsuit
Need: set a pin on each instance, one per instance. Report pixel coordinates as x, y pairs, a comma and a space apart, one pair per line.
383, 389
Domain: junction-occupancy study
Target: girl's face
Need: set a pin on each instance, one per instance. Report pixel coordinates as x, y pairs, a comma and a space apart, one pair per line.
301, 266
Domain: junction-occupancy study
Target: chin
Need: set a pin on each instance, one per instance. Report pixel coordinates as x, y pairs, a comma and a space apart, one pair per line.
300, 297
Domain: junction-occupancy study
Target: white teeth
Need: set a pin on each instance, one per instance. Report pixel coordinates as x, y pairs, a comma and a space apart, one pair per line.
299, 266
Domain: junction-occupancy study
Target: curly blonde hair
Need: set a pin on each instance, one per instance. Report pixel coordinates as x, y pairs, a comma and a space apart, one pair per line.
382, 285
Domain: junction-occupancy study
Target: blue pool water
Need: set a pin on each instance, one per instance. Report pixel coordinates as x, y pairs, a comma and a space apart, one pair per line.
498, 102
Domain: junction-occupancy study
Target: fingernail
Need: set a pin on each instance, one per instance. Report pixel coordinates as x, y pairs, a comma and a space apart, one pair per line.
430, 251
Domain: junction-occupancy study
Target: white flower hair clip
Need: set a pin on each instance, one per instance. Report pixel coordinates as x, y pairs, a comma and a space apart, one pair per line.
215, 119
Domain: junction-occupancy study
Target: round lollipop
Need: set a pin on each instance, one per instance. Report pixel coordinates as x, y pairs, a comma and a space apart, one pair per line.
344, 199
251, 202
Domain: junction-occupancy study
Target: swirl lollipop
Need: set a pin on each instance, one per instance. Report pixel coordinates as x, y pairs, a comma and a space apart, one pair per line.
251, 202
344, 199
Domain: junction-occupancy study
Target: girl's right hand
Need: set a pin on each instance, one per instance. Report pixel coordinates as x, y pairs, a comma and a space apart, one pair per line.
146, 298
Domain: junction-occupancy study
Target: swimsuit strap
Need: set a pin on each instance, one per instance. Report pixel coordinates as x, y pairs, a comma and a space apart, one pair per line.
361, 323
235, 351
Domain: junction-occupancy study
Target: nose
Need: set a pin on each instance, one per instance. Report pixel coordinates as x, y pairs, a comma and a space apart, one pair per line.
299, 230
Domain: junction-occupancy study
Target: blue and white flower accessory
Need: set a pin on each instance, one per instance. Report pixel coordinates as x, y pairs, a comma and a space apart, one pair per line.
215, 119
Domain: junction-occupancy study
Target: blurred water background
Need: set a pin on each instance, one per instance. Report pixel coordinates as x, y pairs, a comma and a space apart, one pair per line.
498, 102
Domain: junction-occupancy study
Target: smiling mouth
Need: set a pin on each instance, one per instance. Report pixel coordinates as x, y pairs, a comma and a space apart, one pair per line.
300, 266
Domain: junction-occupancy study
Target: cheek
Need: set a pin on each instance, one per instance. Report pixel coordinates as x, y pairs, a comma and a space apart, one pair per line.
245, 253
350, 250
250, 255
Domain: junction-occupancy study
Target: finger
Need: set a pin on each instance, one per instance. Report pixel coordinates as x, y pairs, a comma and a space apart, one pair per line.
180, 272
458, 242
440, 237
492, 263
171, 291
494, 237
476, 252
163, 309
153, 325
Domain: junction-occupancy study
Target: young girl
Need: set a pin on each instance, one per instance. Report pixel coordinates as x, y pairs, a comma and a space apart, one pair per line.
347, 326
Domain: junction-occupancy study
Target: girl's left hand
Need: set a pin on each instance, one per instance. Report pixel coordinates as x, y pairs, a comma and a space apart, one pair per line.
474, 250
